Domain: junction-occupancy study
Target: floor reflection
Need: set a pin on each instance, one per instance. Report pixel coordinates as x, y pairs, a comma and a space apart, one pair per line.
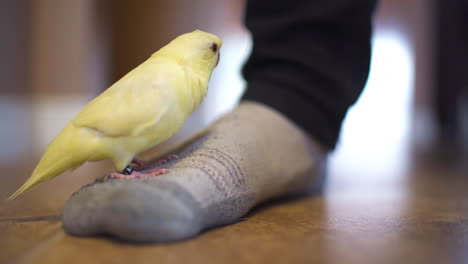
375, 134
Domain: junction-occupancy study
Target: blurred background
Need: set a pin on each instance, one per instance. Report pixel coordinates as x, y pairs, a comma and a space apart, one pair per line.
58, 55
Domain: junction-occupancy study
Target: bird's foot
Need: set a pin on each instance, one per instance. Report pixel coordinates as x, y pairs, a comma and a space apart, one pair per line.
138, 175
141, 164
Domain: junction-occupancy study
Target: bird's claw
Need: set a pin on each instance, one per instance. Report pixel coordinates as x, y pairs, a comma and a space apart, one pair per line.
138, 175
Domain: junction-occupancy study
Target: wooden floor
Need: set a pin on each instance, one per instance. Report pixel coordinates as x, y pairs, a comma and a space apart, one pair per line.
418, 216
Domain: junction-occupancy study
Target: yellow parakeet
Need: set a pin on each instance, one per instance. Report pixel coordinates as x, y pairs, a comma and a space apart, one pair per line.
144, 108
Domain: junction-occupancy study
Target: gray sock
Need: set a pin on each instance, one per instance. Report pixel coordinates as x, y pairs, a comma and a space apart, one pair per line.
251, 155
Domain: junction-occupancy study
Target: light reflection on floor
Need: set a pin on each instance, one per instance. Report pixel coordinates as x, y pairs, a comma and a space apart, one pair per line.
367, 181
375, 133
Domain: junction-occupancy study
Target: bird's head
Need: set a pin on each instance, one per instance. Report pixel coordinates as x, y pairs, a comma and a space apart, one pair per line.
197, 49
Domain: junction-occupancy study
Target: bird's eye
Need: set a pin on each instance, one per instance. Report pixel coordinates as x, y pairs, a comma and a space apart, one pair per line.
214, 47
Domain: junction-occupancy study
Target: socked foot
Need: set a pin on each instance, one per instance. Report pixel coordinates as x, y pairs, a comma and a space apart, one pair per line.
251, 155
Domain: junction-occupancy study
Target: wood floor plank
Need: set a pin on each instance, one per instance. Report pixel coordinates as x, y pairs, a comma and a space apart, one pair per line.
419, 218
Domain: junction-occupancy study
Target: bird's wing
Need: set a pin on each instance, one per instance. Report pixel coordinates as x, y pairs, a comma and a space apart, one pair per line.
135, 102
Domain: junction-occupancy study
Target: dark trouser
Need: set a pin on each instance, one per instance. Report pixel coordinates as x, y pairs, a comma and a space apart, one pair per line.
451, 67
310, 59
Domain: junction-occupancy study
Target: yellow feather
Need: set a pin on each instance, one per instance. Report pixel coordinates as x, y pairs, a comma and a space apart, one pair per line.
144, 108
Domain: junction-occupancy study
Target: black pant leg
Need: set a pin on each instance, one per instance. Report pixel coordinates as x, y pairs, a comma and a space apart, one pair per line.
310, 59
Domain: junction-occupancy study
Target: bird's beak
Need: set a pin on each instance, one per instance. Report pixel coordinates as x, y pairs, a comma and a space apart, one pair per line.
217, 60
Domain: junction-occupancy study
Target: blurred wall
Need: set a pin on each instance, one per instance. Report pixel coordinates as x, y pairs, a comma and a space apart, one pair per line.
139, 28
62, 38
414, 20
14, 46
63, 53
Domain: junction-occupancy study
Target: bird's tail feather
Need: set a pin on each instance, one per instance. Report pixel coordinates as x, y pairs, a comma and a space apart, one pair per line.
57, 159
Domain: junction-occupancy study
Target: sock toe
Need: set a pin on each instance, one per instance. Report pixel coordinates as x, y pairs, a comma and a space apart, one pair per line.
134, 211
